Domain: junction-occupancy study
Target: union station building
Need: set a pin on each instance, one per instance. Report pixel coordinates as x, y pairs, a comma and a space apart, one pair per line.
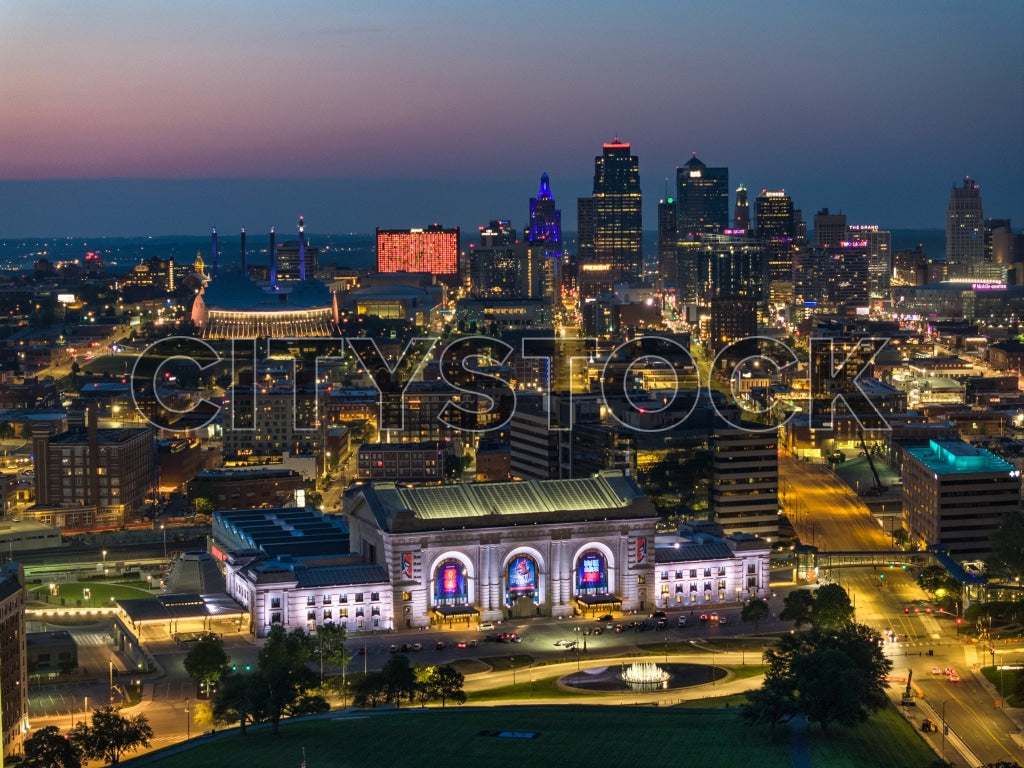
440, 555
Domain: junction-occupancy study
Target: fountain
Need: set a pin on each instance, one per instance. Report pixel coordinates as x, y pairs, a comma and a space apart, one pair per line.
645, 676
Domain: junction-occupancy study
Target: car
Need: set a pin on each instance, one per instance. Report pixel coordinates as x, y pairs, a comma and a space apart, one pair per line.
417, 646
659, 615
722, 620
714, 617
606, 617
704, 617
928, 725
662, 623
954, 678
472, 643
461, 644
682, 621
441, 645
487, 626
936, 671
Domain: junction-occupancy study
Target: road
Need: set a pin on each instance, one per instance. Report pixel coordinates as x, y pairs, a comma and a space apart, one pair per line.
824, 511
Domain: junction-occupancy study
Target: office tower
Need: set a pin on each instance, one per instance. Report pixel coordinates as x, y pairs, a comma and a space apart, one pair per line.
617, 211
999, 241
965, 224
92, 477
829, 229
776, 231
955, 495
745, 480
544, 238
434, 250
879, 249
13, 659
296, 258
668, 264
499, 266
584, 241
702, 199
741, 212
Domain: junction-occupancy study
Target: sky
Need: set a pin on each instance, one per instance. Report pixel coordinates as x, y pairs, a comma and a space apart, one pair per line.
126, 118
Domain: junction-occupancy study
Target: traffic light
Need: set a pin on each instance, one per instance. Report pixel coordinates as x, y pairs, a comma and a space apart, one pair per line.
881, 576
959, 620
904, 566
891, 566
234, 667
248, 668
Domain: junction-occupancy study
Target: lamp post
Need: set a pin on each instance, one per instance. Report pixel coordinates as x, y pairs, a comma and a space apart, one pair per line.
104, 562
713, 667
944, 728
188, 719
163, 530
111, 663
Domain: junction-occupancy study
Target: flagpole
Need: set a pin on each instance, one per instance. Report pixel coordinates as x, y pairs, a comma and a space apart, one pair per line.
303, 757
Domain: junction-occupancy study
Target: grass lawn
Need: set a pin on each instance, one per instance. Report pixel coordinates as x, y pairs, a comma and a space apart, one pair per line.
567, 736
100, 591
1007, 680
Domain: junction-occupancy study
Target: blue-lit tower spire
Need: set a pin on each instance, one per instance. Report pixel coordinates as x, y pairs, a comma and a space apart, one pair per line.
213, 253
273, 260
302, 248
545, 220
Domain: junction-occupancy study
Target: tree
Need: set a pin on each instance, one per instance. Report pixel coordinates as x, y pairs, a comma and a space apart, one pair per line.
206, 661
282, 673
399, 679
445, 683
932, 577
111, 735
797, 607
828, 676
46, 748
1008, 546
756, 610
238, 700
330, 640
832, 608
369, 690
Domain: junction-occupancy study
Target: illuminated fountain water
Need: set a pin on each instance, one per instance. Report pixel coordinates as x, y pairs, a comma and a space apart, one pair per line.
645, 676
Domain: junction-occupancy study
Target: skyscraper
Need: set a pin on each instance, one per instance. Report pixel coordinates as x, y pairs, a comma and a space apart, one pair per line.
776, 230
829, 229
544, 239
965, 228
741, 212
668, 264
702, 199
617, 211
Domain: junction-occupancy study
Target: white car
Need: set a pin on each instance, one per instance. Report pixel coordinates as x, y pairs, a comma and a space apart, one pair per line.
487, 626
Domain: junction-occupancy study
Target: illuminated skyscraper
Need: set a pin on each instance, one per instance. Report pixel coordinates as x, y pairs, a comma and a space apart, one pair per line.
776, 230
965, 231
702, 199
617, 211
741, 212
829, 229
668, 263
434, 250
544, 239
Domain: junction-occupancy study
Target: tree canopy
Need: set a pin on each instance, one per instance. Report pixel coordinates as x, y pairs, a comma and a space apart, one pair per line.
111, 734
756, 610
827, 607
207, 659
46, 748
826, 675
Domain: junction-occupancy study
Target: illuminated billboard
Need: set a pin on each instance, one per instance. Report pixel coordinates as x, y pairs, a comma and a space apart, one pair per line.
522, 575
591, 572
450, 582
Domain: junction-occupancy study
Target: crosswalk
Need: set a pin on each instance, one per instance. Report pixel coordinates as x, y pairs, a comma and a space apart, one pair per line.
91, 638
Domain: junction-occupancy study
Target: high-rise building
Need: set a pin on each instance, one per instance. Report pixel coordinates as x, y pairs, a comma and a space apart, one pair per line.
544, 239
434, 250
668, 264
965, 231
13, 659
829, 229
618, 223
296, 259
502, 266
91, 477
776, 231
741, 211
955, 495
879, 245
745, 480
702, 199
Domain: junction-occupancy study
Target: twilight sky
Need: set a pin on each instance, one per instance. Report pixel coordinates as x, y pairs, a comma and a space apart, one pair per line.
132, 118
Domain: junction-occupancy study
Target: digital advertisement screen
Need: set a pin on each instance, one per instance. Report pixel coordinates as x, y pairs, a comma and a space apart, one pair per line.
451, 583
522, 575
591, 572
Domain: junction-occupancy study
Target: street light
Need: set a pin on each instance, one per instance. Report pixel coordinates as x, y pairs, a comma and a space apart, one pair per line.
163, 530
111, 682
188, 720
104, 560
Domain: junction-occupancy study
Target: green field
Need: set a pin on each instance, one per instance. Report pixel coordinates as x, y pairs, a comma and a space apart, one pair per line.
101, 594
566, 736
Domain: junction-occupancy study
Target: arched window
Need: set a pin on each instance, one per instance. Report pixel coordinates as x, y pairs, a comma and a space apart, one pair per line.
521, 580
450, 584
591, 573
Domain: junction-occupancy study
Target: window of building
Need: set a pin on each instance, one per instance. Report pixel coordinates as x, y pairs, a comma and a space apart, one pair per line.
359, 612
751, 568
721, 570
752, 582
275, 618
343, 613
311, 616
641, 579
679, 574
359, 597
375, 610
342, 599
407, 596
275, 602
374, 597
707, 573
310, 599
327, 599
664, 575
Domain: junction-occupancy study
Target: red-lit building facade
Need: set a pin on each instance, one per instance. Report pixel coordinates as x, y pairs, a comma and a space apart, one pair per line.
434, 250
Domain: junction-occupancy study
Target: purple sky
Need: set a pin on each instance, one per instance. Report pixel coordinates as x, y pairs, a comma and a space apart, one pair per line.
453, 110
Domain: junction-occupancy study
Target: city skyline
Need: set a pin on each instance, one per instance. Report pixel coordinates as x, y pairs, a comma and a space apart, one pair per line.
124, 120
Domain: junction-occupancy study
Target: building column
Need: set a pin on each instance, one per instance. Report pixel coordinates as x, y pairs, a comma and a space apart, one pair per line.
495, 601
